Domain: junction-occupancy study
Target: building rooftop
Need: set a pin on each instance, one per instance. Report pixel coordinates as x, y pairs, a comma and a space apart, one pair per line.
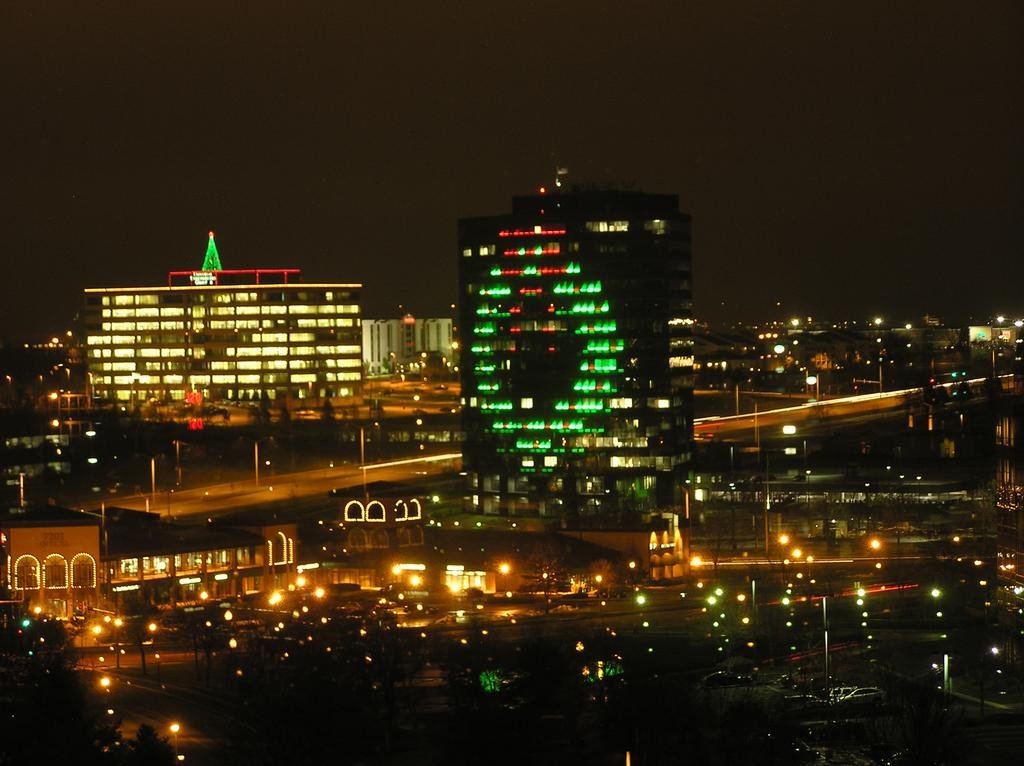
141, 537
46, 516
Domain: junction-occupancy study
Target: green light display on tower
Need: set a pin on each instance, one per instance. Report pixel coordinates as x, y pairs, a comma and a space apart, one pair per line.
212, 260
575, 314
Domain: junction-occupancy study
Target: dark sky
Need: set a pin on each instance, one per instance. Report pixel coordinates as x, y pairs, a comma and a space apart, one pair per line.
842, 158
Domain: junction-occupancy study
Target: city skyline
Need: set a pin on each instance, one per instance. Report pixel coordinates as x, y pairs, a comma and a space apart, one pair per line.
813, 147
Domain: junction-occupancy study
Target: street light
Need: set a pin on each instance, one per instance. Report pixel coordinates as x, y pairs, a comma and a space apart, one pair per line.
175, 728
874, 543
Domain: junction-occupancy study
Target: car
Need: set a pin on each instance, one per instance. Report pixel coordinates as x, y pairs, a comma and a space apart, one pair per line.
864, 695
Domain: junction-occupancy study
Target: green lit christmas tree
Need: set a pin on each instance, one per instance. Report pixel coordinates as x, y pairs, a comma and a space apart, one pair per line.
212, 260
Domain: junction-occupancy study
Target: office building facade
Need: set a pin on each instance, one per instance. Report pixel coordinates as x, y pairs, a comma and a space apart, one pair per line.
392, 346
576, 366
239, 335
1010, 497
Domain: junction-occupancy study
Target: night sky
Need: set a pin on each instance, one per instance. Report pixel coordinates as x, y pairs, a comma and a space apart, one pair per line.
842, 158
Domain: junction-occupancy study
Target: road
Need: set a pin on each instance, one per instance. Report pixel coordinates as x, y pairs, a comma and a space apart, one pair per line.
219, 499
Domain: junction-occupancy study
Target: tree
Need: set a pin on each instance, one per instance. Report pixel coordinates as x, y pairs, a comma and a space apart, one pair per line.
327, 412
148, 749
544, 571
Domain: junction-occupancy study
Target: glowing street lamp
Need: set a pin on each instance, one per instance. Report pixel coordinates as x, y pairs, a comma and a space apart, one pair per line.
175, 728
874, 544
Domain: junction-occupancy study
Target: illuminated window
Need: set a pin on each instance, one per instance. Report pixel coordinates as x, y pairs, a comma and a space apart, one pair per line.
83, 571
607, 226
55, 571
26, 573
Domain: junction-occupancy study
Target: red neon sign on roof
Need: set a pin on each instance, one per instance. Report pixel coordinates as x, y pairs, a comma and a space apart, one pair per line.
258, 276
536, 231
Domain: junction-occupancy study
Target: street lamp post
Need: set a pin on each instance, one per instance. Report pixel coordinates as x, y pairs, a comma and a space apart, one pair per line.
824, 621
177, 462
362, 461
175, 728
118, 622
946, 688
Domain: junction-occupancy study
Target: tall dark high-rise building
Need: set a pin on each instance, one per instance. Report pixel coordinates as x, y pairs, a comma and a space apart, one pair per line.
575, 318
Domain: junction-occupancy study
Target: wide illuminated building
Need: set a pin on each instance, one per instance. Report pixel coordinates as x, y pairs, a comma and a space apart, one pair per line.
1010, 497
575, 317
239, 335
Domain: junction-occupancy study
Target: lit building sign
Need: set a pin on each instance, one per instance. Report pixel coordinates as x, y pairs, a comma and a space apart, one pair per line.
203, 278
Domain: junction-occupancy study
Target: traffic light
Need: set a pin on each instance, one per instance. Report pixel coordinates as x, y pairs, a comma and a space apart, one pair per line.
928, 391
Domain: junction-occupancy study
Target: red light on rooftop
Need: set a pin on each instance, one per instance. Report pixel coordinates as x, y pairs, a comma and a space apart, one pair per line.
543, 190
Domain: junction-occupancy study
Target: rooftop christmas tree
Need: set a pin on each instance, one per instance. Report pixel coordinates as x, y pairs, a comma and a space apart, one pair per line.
212, 260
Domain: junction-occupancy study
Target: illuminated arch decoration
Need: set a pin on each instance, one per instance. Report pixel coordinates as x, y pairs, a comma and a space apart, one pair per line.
286, 547
354, 511
83, 571
55, 571
375, 511
408, 511
26, 572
